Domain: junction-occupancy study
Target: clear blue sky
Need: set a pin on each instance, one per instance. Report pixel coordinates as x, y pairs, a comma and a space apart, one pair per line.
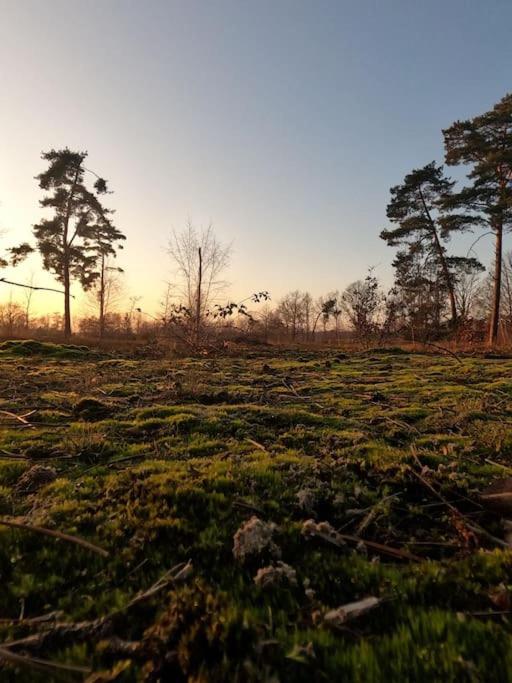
283, 122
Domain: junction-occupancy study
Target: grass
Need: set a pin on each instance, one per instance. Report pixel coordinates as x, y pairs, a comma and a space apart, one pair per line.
160, 462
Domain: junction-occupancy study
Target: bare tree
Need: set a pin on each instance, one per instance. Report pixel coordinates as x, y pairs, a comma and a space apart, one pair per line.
107, 290
166, 305
269, 321
466, 292
200, 260
294, 310
11, 317
28, 294
362, 301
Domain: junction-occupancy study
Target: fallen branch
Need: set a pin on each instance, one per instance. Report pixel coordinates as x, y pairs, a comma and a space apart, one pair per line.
324, 530
243, 505
40, 664
101, 627
12, 456
179, 573
56, 534
27, 621
20, 418
257, 445
336, 618
383, 548
498, 464
474, 528
443, 348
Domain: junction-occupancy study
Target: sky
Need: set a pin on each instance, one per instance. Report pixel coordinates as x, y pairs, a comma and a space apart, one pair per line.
282, 122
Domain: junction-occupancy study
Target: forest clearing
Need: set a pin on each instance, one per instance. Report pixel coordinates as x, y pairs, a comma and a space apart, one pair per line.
256, 342
278, 515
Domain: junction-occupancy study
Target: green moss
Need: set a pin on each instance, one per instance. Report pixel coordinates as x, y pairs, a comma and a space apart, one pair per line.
31, 347
158, 476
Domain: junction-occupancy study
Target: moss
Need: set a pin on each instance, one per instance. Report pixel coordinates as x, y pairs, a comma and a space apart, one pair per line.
11, 471
31, 347
162, 476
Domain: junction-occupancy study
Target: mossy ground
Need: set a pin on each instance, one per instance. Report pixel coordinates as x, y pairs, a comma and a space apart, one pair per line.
160, 462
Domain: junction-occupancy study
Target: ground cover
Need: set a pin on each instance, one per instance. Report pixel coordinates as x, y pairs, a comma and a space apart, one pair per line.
234, 504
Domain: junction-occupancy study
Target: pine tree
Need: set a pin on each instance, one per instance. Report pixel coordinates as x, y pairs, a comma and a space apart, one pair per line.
485, 144
80, 231
423, 228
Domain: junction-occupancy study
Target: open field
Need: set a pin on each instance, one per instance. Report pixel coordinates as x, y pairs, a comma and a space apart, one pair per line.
159, 463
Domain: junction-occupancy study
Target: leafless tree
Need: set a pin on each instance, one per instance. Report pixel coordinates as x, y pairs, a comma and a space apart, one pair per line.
466, 292
294, 309
362, 301
28, 295
269, 322
11, 317
167, 304
200, 260
106, 292
131, 314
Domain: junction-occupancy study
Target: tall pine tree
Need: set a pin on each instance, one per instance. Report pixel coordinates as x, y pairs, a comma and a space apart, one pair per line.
485, 144
80, 230
422, 229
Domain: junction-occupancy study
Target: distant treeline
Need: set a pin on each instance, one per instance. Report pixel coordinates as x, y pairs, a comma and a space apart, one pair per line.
435, 293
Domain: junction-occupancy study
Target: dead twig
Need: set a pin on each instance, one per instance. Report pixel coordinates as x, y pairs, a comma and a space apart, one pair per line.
372, 513
325, 531
289, 385
100, 627
257, 445
56, 534
242, 504
382, 548
28, 621
40, 664
19, 418
498, 464
474, 528
7, 455
443, 348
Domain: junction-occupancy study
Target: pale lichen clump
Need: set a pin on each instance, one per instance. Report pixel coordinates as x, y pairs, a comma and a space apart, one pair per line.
274, 575
324, 530
253, 537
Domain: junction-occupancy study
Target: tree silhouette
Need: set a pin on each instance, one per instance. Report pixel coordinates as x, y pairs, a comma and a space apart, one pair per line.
485, 144
422, 228
73, 241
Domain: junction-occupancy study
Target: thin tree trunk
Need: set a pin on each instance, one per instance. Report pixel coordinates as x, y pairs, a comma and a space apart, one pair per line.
199, 295
65, 265
496, 299
67, 301
448, 279
313, 331
444, 265
66, 280
102, 297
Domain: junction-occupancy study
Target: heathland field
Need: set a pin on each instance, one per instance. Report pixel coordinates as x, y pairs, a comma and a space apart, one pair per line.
223, 515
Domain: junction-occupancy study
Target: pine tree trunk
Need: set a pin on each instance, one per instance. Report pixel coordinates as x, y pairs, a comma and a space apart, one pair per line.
65, 255
447, 277
496, 300
102, 298
67, 302
444, 265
